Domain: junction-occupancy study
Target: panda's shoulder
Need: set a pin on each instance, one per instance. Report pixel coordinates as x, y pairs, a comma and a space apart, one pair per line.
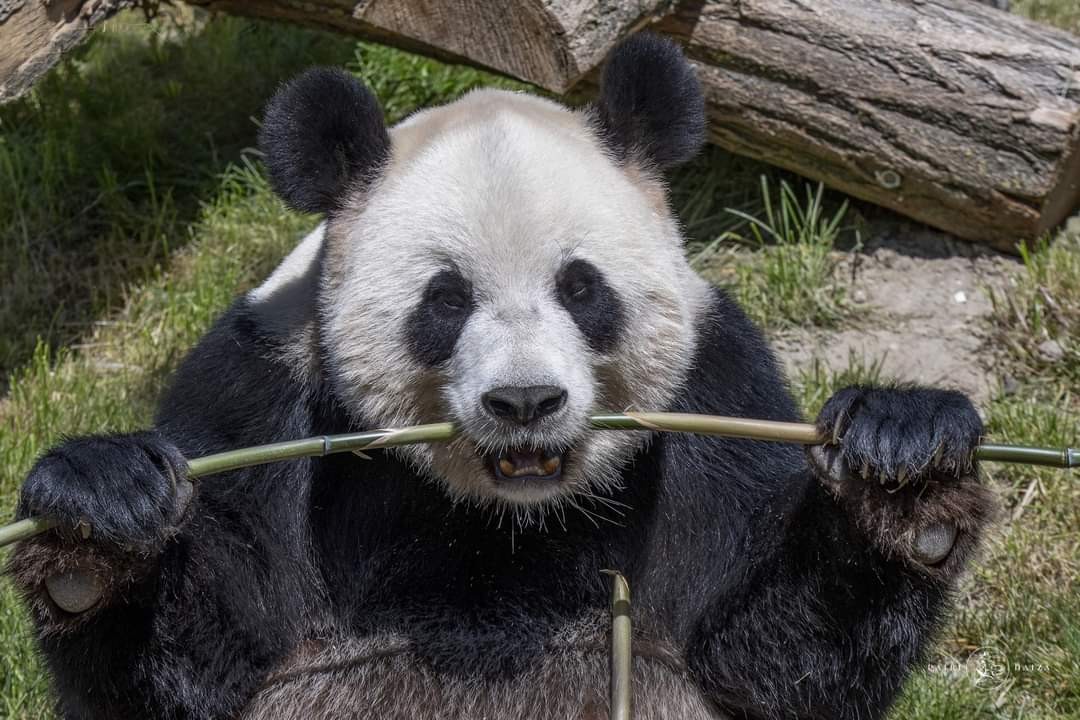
734, 371
237, 386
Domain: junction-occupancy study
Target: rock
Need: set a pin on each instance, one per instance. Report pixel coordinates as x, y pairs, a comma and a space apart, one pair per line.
1009, 385
1051, 351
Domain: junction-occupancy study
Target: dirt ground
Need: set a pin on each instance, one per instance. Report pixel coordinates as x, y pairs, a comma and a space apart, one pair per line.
926, 306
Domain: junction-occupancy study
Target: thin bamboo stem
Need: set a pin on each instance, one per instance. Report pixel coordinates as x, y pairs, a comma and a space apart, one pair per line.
802, 433
621, 686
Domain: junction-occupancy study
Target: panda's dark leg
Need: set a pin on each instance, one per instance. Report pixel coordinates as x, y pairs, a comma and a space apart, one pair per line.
180, 596
852, 567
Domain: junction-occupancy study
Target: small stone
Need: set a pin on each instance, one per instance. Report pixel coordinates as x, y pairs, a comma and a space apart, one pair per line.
859, 296
1009, 385
1051, 351
960, 297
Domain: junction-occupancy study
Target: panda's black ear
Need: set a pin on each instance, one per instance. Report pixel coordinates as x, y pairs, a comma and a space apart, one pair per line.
650, 107
322, 135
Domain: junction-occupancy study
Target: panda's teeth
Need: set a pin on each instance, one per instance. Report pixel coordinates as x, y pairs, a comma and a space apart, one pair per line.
520, 463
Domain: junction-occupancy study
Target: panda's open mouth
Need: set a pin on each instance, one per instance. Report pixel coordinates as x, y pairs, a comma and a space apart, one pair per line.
527, 465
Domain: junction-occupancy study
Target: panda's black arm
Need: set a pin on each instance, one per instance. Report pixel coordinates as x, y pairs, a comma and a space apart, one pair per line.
809, 598
820, 625
196, 611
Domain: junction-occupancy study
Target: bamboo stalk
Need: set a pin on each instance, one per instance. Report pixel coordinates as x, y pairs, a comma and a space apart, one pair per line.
769, 430
621, 649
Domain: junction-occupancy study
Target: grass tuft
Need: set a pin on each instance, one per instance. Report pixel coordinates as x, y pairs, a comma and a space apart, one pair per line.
816, 383
791, 278
1064, 14
1037, 318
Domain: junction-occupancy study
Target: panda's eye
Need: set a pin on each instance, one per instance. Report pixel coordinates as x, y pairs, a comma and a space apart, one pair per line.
578, 291
577, 282
452, 300
433, 326
449, 292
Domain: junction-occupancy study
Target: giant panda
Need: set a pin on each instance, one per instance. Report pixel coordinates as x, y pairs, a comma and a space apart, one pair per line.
512, 265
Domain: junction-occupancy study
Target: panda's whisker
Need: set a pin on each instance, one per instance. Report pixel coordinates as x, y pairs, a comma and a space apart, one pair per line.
558, 508
615, 506
590, 516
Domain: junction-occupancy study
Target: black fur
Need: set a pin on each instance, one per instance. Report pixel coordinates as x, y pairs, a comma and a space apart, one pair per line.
434, 325
772, 592
650, 107
592, 303
323, 132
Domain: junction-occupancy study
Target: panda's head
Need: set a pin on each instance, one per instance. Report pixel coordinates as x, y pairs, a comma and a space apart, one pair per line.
503, 262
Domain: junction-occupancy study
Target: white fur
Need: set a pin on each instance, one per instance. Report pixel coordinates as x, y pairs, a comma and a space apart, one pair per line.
507, 187
285, 303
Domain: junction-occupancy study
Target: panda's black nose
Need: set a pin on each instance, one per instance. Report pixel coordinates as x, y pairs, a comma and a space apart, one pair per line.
524, 405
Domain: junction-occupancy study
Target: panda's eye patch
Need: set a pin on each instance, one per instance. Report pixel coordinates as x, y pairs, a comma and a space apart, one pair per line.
592, 303
436, 322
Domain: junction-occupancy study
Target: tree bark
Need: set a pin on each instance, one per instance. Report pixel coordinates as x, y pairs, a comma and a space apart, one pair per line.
953, 113
550, 43
35, 34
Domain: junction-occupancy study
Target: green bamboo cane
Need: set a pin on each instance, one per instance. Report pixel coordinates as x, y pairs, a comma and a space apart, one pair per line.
802, 433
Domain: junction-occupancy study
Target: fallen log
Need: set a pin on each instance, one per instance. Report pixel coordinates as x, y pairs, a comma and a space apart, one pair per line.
956, 114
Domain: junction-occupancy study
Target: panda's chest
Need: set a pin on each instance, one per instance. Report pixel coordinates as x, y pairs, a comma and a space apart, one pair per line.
418, 673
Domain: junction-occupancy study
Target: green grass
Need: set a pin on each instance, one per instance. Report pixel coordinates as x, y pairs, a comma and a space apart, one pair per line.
1041, 307
104, 166
816, 383
137, 213
790, 278
1064, 14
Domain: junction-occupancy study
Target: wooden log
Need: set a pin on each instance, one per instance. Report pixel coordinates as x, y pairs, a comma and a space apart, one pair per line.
550, 43
35, 34
958, 115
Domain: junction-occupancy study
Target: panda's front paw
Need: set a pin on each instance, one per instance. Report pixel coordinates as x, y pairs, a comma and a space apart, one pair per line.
127, 490
902, 462
116, 501
894, 436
